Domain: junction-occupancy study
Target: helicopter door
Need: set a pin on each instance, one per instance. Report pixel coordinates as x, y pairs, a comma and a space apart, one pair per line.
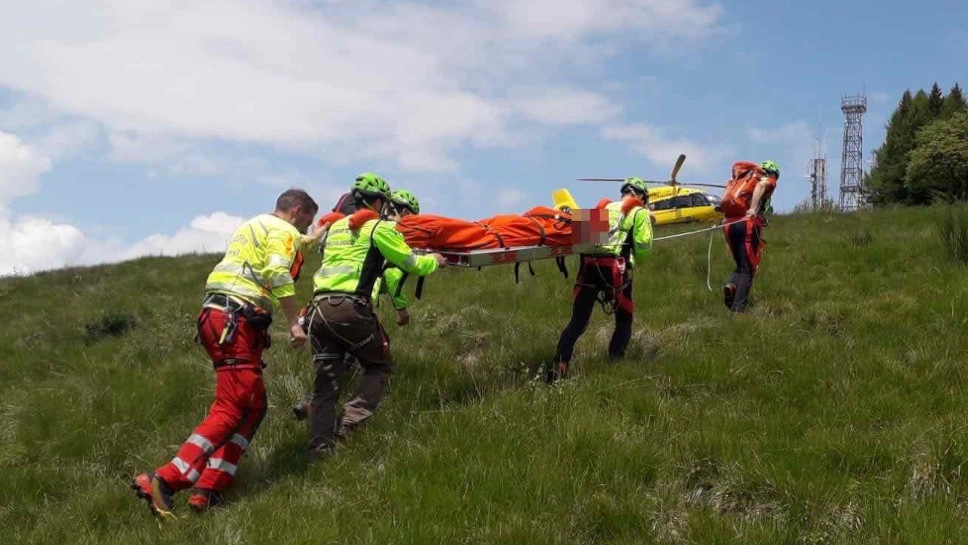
662, 211
678, 203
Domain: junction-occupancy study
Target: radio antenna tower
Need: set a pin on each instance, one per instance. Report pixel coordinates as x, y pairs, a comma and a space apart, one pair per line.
818, 172
852, 194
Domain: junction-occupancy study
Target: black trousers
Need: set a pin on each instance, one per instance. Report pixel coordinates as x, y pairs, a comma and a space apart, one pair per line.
341, 326
597, 276
746, 246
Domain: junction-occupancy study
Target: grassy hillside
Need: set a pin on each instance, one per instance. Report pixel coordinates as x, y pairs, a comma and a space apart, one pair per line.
834, 412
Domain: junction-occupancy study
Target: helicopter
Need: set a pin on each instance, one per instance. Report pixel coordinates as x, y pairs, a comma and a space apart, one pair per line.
671, 202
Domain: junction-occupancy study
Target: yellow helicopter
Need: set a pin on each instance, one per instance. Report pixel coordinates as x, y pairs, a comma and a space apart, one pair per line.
669, 203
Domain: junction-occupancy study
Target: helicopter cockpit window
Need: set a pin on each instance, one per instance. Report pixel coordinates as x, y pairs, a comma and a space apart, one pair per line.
664, 204
699, 199
682, 201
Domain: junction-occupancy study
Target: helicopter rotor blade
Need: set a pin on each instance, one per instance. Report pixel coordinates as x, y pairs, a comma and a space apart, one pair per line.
704, 185
675, 169
600, 179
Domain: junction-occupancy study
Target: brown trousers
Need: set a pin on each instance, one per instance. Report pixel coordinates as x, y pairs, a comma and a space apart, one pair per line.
341, 324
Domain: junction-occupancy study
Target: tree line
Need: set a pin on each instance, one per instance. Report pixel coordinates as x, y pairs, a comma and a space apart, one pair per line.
924, 157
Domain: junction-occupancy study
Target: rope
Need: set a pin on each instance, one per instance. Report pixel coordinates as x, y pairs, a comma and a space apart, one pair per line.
709, 263
686, 234
709, 252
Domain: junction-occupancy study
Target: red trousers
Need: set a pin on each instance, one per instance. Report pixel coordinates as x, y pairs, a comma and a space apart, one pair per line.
209, 457
743, 238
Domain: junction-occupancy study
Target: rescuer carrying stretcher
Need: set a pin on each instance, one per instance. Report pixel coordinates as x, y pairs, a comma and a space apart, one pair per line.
606, 276
257, 272
342, 319
402, 203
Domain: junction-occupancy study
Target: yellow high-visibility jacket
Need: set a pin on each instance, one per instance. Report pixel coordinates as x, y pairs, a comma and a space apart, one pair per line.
256, 266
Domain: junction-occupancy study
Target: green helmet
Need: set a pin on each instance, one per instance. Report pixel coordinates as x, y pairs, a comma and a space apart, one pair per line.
406, 199
635, 184
772, 167
371, 185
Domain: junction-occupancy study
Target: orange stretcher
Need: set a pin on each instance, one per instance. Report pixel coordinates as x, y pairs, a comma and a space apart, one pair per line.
539, 233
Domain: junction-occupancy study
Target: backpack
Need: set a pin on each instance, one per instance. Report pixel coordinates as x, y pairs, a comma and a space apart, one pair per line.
739, 189
345, 205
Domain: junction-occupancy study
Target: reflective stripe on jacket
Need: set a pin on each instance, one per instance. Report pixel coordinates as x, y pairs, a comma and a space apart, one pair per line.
354, 260
256, 266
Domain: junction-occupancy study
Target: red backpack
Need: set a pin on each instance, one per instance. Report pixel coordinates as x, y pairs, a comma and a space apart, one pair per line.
739, 189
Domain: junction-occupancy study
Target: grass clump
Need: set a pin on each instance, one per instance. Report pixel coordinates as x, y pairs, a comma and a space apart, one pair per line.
952, 229
109, 324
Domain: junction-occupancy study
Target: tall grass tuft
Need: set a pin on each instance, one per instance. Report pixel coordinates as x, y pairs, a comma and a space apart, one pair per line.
109, 324
952, 229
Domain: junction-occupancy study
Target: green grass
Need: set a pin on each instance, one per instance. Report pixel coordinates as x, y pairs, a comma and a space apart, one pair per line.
952, 228
833, 412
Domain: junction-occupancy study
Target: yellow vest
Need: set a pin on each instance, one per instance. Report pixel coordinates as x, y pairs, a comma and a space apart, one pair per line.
257, 263
630, 234
354, 260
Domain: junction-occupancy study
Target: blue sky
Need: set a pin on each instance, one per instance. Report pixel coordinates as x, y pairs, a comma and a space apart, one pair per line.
134, 128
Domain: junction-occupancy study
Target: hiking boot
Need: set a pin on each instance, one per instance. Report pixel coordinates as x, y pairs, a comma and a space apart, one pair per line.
321, 452
153, 490
202, 500
354, 416
729, 295
557, 371
301, 410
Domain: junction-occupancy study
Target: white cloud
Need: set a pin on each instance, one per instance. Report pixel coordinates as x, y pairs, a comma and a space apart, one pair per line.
68, 139
204, 234
32, 244
573, 18
26, 114
662, 151
29, 244
407, 82
561, 106
177, 83
51, 133
20, 166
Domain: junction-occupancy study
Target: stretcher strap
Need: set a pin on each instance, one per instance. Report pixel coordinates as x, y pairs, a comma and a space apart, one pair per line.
560, 261
541, 230
489, 230
418, 293
517, 268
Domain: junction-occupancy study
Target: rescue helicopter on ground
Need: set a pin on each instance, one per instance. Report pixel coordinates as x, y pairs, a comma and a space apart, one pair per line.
671, 201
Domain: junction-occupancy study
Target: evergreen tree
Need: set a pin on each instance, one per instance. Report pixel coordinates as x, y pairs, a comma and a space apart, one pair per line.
953, 103
885, 183
935, 101
894, 179
918, 118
